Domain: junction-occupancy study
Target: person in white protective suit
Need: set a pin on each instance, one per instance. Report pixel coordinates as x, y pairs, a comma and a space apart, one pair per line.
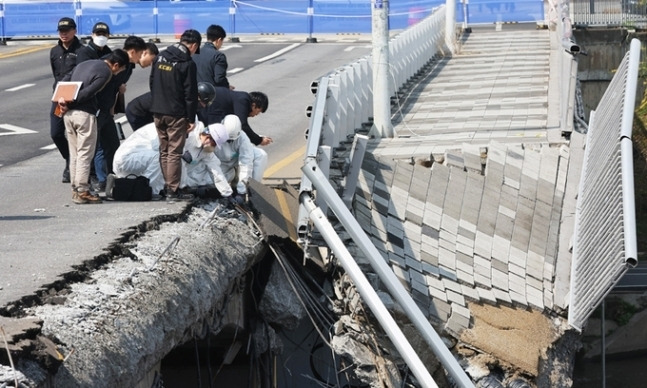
238, 157
139, 155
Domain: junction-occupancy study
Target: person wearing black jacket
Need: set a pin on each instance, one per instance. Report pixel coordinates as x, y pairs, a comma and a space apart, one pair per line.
108, 138
212, 63
174, 88
243, 105
62, 59
97, 46
80, 119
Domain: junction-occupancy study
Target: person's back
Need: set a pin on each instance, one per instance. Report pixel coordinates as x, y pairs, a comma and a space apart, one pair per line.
173, 91
211, 62
174, 88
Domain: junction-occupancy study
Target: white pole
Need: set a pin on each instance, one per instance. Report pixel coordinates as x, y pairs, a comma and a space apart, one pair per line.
381, 97
326, 192
368, 294
450, 24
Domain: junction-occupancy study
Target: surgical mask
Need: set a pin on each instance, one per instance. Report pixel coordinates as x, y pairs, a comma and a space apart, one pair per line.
209, 148
100, 40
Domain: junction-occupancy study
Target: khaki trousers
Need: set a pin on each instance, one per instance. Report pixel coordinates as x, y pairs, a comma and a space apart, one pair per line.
172, 134
81, 131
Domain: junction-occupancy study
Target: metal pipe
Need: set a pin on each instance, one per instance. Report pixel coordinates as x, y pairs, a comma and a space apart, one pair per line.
368, 293
328, 194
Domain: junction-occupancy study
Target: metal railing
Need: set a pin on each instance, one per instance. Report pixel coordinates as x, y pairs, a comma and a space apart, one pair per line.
610, 13
605, 246
343, 101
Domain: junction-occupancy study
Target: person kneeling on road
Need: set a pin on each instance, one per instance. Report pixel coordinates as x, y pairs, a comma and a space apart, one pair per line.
139, 155
237, 157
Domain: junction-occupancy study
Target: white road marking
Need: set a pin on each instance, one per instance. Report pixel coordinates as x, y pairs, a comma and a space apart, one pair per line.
19, 87
49, 147
276, 54
235, 70
15, 130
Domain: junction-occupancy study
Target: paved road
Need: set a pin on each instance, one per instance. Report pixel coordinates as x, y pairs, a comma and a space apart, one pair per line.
43, 235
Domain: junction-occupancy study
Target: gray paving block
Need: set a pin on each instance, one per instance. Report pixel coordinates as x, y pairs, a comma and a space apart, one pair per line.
535, 297
483, 244
455, 297
449, 225
486, 295
432, 217
440, 309
447, 273
502, 296
499, 279
438, 184
517, 298
447, 258
429, 269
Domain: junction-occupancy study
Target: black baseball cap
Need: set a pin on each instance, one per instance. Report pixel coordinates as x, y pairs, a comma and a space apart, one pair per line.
66, 24
101, 27
192, 36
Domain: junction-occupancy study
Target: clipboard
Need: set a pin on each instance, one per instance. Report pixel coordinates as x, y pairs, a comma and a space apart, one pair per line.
68, 90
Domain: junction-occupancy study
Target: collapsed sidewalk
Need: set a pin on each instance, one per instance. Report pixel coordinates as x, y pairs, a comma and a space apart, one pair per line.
114, 327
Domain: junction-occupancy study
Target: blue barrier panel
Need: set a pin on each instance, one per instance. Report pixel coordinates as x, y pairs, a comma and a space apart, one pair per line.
29, 18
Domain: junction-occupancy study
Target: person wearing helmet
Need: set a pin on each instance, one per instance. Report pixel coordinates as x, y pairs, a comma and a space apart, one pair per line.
139, 155
138, 111
237, 156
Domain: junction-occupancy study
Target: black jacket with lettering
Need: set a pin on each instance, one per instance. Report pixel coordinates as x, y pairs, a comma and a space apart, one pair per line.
174, 84
63, 60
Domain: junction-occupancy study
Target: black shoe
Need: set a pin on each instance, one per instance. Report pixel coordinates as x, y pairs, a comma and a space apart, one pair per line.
66, 174
177, 196
99, 187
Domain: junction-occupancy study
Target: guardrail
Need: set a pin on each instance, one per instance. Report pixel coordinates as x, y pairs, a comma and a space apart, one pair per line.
604, 245
343, 102
609, 13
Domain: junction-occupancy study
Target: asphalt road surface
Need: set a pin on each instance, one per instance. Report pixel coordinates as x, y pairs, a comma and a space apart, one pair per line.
283, 67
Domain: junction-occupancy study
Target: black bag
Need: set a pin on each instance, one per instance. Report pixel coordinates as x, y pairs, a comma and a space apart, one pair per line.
131, 188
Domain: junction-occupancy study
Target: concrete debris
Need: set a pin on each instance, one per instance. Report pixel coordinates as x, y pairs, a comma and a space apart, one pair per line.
377, 372
119, 323
280, 305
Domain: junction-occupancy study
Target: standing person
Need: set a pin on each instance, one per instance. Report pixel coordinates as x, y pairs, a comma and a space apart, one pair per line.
81, 122
138, 111
62, 59
212, 63
174, 90
97, 46
108, 138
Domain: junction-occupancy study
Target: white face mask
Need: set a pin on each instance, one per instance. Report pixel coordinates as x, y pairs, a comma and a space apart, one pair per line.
100, 40
208, 148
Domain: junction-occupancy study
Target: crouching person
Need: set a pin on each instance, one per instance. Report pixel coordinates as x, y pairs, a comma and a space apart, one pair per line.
238, 157
139, 155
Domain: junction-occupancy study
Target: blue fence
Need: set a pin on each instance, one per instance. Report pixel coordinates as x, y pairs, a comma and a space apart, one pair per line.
35, 18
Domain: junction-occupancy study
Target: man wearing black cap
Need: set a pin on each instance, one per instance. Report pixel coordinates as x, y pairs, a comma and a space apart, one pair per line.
97, 46
62, 58
174, 90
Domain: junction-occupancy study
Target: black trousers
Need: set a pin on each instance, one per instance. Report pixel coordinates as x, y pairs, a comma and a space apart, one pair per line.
57, 132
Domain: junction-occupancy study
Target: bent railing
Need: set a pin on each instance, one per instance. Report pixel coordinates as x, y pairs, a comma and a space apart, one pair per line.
343, 102
605, 246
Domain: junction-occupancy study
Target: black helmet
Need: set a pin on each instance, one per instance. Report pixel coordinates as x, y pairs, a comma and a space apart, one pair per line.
206, 92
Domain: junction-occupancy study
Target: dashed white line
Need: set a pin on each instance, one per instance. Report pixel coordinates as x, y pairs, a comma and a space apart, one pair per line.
276, 54
19, 87
235, 70
49, 147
